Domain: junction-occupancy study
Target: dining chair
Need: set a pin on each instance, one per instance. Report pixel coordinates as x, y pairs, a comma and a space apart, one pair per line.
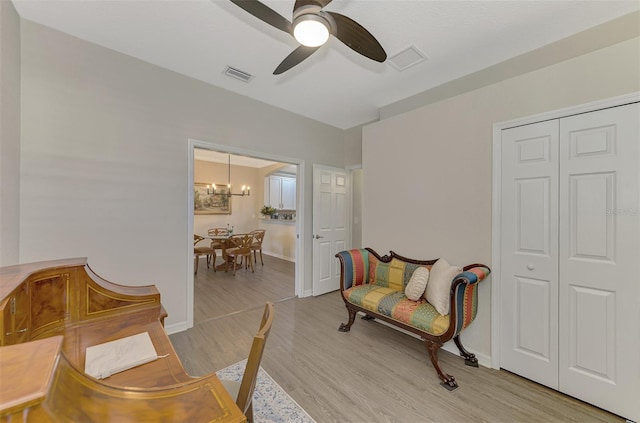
256, 245
216, 244
209, 252
243, 391
239, 246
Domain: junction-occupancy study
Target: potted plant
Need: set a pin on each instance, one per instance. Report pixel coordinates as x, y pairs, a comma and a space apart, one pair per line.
267, 211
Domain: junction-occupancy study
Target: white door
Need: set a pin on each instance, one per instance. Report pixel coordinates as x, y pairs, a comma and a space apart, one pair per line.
599, 257
529, 297
330, 226
570, 239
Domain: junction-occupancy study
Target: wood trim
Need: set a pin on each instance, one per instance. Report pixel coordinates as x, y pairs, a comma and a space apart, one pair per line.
392, 254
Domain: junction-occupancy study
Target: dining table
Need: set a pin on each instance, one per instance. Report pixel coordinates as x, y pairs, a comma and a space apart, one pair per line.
225, 243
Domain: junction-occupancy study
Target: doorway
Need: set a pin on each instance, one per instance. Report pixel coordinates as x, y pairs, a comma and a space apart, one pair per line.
249, 168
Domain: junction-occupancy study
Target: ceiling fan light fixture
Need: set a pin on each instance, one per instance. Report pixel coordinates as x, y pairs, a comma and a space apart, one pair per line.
311, 30
311, 26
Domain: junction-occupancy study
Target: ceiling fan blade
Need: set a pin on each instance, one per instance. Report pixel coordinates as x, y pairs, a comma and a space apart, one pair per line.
296, 56
264, 13
300, 3
357, 38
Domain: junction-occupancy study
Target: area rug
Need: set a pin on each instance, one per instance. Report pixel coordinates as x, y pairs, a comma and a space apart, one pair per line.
271, 404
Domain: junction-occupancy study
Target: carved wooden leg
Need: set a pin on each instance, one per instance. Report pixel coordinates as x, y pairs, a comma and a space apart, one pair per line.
195, 266
346, 327
448, 381
469, 358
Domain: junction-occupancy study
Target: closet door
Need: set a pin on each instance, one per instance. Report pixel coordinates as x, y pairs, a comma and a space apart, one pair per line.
599, 318
529, 243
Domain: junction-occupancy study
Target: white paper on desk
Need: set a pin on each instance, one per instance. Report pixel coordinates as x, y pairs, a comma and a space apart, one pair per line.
109, 358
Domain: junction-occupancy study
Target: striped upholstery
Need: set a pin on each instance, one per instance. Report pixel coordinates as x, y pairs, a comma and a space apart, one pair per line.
395, 274
396, 305
466, 296
390, 275
356, 267
379, 287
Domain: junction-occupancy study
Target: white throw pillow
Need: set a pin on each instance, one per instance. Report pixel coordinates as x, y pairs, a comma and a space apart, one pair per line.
417, 284
440, 278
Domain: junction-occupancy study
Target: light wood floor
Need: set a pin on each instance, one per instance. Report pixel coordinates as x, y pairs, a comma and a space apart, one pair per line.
220, 293
372, 374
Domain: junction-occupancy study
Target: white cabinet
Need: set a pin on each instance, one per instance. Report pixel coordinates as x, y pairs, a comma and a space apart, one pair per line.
275, 192
280, 192
288, 193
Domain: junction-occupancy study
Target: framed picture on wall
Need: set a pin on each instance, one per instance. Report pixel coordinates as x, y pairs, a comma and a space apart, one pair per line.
205, 202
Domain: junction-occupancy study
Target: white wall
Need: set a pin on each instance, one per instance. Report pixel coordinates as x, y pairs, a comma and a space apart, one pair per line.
353, 146
280, 238
427, 172
356, 209
104, 164
9, 134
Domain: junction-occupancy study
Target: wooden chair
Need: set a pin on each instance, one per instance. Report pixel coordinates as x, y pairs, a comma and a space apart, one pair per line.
256, 245
209, 252
239, 246
243, 391
216, 244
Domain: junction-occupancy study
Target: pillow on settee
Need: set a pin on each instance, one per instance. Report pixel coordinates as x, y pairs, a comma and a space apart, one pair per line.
417, 284
439, 286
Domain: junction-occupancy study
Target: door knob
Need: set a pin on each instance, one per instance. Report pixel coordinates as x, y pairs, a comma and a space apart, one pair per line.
530, 266
319, 236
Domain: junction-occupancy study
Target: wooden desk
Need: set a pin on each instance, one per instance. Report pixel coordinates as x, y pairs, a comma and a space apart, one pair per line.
26, 371
63, 301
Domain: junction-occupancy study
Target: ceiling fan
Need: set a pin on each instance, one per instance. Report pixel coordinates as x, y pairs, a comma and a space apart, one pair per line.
311, 27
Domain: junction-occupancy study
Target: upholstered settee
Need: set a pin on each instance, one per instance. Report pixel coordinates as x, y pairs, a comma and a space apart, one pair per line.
377, 286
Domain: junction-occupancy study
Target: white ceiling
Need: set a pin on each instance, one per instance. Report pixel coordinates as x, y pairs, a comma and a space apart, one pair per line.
199, 38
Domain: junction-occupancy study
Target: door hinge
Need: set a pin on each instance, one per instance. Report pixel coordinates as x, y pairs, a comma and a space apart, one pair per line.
13, 305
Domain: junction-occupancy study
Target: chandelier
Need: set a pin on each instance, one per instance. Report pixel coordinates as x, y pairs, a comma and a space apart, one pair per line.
211, 189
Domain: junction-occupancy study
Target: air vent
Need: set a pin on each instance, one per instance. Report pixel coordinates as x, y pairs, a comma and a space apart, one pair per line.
406, 58
238, 74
